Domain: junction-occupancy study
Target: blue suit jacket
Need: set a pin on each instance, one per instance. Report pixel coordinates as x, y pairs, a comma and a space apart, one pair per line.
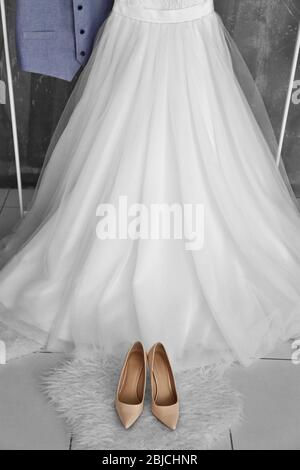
55, 37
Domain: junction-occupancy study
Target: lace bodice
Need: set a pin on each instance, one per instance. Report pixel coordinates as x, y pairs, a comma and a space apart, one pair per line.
163, 4
164, 11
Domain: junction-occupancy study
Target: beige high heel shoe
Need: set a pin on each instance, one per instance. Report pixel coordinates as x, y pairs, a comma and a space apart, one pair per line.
132, 385
165, 404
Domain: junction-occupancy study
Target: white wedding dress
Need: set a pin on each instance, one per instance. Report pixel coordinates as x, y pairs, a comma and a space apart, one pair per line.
165, 112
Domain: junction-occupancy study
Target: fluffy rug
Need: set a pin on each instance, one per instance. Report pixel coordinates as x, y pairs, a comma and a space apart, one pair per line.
83, 391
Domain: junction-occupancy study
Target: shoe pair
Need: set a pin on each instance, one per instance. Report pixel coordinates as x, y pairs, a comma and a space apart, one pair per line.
132, 386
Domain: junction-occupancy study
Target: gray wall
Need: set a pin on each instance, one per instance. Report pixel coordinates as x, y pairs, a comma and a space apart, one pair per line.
265, 32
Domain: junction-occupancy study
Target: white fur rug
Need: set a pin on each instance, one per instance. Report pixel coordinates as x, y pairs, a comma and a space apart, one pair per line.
83, 392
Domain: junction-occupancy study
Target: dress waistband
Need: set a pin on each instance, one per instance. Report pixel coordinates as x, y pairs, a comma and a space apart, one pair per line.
141, 12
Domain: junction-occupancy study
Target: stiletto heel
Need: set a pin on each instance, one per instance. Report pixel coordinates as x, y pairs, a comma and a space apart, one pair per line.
165, 404
132, 385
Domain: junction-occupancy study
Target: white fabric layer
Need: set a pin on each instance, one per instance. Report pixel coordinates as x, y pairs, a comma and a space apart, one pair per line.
167, 13
160, 115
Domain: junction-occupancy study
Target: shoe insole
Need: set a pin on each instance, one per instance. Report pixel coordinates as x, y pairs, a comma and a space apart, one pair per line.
132, 389
164, 394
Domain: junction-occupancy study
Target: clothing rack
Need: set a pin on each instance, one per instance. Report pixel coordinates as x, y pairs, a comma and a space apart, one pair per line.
12, 105
289, 97
13, 109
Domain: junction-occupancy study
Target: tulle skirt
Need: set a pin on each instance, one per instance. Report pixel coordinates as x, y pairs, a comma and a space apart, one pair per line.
165, 113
